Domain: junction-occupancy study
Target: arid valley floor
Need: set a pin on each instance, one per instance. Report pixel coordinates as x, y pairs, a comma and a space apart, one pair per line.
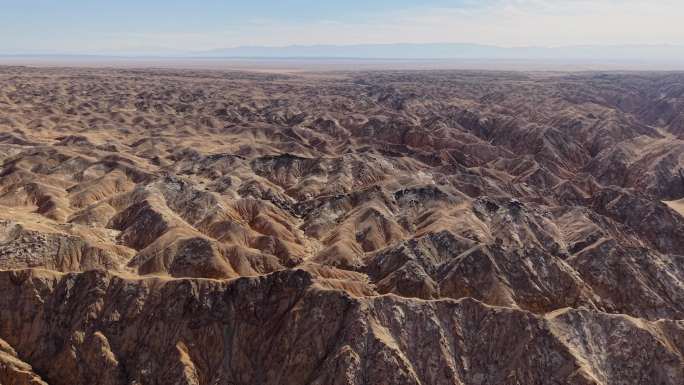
384, 227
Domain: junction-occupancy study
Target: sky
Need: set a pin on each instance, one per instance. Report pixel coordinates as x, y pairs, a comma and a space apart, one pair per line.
111, 26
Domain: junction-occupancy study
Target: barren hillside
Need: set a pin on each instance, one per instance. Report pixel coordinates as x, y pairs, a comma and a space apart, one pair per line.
207, 227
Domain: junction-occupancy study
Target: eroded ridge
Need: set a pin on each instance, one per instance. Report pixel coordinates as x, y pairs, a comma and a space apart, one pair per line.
173, 226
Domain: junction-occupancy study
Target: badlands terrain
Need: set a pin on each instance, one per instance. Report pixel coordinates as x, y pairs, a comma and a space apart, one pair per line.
215, 228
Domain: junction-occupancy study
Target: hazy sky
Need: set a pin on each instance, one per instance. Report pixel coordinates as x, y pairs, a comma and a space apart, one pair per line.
92, 26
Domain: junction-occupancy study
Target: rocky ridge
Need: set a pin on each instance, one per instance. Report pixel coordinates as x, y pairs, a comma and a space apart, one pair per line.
353, 228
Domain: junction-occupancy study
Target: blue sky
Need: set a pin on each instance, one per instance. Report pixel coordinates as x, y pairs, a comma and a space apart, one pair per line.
96, 26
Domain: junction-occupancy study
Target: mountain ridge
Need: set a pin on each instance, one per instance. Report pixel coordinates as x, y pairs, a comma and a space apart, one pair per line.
349, 228
416, 51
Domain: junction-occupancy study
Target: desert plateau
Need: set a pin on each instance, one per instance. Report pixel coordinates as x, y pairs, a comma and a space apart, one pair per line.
216, 227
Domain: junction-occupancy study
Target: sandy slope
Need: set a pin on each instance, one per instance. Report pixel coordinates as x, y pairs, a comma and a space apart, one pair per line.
677, 206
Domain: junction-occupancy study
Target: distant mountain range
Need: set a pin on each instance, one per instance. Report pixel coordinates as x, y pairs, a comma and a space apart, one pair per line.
650, 53
455, 51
